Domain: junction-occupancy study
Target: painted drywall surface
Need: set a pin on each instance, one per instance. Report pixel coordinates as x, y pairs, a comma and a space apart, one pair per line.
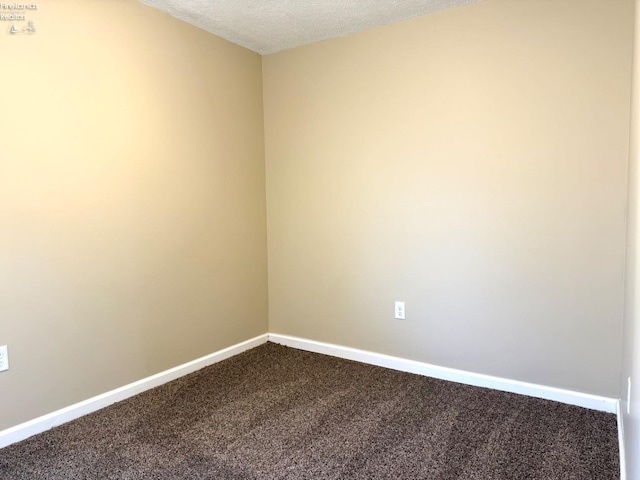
132, 201
472, 164
631, 363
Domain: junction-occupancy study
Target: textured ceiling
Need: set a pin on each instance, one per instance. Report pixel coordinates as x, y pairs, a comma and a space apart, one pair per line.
269, 26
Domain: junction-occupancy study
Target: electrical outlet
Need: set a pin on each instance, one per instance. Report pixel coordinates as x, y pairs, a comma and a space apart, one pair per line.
4, 358
399, 311
628, 395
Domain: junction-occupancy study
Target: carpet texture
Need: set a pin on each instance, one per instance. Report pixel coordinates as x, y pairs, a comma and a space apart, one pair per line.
279, 413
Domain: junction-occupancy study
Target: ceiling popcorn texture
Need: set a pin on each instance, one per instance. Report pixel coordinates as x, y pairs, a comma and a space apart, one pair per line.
270, 26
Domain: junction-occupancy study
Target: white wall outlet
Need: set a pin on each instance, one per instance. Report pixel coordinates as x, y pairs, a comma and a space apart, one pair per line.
4, 358
628, 395
399, 311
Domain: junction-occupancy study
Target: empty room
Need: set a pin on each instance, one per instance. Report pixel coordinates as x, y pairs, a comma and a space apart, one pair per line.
320, 239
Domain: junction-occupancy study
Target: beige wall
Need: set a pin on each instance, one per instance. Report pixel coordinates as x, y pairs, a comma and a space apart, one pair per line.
132, 202
630, 404
471, 163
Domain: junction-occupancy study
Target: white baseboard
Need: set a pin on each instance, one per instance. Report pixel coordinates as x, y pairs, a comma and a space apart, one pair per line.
621, 437
46, 422
580, 399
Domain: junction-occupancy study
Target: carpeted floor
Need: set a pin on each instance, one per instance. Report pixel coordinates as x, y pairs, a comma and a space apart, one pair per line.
279, 413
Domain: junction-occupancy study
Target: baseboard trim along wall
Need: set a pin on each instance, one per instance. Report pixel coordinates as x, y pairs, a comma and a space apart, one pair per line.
46, 422
586, 400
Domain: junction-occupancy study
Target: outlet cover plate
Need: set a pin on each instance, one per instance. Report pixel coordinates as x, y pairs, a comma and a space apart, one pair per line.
4, 358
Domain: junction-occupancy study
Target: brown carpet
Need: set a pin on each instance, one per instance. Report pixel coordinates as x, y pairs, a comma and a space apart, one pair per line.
279, 413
